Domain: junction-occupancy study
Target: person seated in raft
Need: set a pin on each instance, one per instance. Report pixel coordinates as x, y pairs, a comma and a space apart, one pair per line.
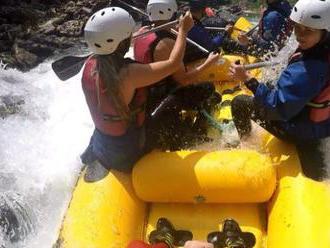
200, 35
156, 47
274, 30
114, 87
297, 109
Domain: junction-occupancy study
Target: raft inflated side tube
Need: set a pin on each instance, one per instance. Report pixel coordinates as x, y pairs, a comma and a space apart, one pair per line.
102, 214
236, 176
299, 214
219, 71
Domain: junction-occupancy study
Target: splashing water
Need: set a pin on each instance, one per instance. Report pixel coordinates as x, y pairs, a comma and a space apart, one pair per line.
39, 149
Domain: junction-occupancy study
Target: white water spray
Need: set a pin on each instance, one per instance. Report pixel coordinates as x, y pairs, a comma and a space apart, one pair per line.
40, 147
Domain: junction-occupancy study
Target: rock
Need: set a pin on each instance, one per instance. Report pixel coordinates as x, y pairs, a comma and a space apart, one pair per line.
4, 45
24, 59
10, 104
33, 30
17, 218
70, 28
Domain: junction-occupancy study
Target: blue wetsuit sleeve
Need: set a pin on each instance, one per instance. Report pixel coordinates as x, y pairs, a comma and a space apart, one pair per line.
200, 35
218, 40
299, 83
273, 25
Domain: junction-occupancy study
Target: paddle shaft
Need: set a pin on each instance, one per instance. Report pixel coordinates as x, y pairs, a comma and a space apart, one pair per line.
172, 30
260, 65
221, 29
224, 29
155, 29
248, 33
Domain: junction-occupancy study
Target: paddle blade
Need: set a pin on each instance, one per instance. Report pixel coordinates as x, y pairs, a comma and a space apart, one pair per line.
68, 66
242, 24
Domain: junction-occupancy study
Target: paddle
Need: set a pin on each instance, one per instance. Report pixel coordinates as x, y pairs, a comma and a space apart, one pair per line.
172, 30
223, 29
261, 64
70, 66
252, 30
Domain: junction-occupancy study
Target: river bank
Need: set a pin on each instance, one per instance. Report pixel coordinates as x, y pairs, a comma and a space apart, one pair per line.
32, 30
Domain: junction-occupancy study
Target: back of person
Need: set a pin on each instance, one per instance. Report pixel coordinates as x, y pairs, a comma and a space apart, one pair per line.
275, 25
199, 34
102, 108
297, 109
114, 88
165, 127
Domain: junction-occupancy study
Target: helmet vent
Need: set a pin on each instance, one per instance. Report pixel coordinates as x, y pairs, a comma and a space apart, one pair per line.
103, 12
295, 9
97, 45
93, 17
109, 40
161, 12
316, 17
113, 9
169, 9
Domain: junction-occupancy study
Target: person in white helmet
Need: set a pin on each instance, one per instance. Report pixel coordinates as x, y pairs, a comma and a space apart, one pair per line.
169, 132
298, 108
114, 88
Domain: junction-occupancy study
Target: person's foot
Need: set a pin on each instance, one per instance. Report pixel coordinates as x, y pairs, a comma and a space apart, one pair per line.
166, 233
231, 236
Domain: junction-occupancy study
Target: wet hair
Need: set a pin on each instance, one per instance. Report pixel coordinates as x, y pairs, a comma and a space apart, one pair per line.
107, 70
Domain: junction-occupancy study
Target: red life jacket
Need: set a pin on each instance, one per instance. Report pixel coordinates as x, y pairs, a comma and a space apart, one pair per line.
104, 115
143, 51
320, 105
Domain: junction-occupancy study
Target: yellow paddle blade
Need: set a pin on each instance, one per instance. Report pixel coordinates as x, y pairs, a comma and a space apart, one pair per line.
241, 24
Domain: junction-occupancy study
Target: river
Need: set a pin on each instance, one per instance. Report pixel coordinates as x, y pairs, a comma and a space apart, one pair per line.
40, 148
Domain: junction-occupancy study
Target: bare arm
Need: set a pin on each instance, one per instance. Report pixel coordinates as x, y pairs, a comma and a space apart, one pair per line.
143, 75
189, 77
181, 75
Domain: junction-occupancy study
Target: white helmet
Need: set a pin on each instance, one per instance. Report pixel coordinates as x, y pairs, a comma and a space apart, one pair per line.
312, 13
159, 10
107, 28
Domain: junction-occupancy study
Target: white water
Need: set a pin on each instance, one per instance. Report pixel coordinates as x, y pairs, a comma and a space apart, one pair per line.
40, 147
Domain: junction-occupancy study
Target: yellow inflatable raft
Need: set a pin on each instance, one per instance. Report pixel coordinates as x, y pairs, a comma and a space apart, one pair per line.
264, 192
262, 189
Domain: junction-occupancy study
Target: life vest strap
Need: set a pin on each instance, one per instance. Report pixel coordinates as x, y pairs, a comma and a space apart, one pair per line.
321, 105
133, 114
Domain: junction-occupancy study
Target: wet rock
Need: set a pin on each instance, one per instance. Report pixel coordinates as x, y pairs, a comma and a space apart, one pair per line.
33, 30
24, 59
10, 104
17, 219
